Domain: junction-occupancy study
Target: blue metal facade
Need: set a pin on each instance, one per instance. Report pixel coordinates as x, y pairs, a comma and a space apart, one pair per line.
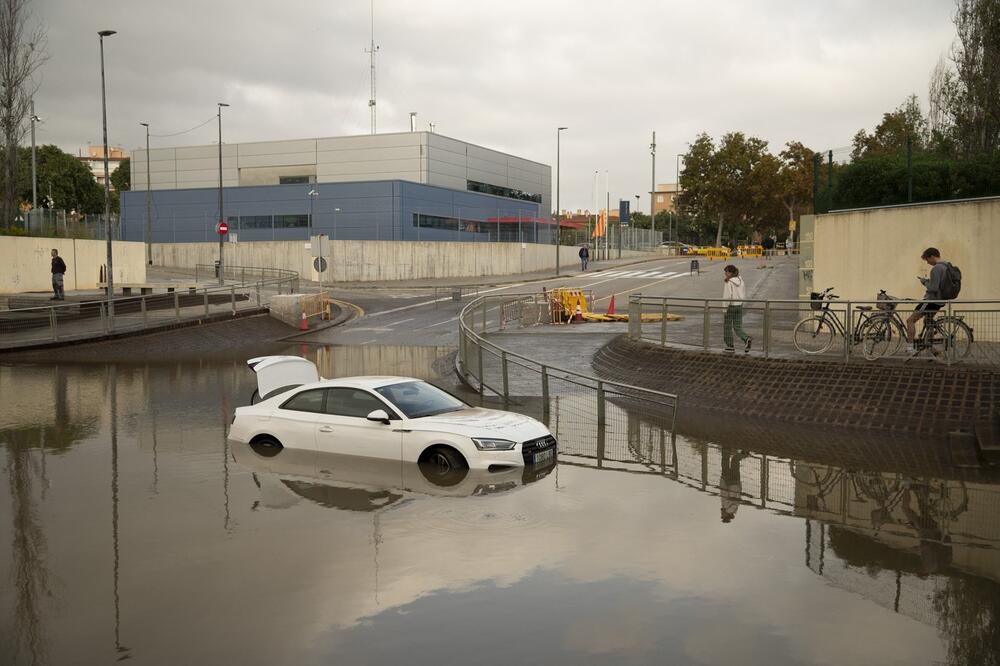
369, 210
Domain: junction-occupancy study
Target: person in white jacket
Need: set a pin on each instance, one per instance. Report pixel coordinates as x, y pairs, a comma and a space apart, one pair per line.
734, 292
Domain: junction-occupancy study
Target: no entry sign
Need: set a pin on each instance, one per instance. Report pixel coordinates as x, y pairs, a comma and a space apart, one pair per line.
222, 228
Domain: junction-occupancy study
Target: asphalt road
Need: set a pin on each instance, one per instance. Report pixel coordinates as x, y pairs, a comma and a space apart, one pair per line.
400, 316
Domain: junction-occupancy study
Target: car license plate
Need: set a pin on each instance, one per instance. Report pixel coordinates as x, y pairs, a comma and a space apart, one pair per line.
542, 456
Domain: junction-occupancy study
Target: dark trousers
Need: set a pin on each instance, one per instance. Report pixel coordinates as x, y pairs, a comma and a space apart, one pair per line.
57, 286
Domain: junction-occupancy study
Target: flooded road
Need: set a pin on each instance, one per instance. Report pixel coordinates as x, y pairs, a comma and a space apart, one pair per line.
131, 529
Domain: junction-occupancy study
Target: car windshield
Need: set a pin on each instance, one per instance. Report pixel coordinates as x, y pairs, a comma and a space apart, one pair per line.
417, 399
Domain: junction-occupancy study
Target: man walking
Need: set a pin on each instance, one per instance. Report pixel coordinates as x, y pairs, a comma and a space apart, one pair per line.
58, 272
584, 257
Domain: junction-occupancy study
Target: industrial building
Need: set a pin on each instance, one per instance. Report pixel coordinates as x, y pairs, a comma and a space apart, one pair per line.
402, 186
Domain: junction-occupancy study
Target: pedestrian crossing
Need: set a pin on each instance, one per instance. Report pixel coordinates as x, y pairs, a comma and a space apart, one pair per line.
644, 275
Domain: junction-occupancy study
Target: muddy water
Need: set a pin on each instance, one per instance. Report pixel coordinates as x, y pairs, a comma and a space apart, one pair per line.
132, 529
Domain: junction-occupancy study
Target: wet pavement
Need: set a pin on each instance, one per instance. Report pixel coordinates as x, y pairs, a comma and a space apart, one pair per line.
134, 530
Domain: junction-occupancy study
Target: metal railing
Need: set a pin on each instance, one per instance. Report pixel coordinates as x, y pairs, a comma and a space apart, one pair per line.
518, 378
771, 324
250, 289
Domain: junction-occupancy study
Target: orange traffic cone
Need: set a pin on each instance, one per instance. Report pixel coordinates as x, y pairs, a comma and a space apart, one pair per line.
578, 316
303, 324
611, 305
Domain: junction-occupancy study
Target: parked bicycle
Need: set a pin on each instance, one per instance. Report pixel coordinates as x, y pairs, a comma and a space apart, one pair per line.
881, 330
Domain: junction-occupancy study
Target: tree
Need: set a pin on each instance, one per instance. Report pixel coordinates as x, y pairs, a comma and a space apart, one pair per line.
796, 176
121, 177
72, 184
22, 52
905, 123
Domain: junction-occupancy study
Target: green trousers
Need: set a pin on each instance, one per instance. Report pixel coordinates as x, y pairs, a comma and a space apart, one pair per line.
733, 323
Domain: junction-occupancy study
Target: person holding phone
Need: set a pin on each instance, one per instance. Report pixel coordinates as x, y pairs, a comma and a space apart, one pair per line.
932, 292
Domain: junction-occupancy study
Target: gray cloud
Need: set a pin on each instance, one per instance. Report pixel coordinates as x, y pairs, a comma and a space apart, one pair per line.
503, 76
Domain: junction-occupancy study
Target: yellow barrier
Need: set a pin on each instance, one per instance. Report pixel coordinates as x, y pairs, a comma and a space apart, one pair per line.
714, 253
750, 251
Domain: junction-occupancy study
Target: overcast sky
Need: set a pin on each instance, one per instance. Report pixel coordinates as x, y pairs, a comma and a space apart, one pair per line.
502, 75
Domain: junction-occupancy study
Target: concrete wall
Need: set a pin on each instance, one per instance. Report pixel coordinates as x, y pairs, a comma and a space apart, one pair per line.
26, 263
352, 261
860, 252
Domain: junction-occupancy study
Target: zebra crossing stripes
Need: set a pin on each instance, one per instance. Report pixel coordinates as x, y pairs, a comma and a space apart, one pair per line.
640, 274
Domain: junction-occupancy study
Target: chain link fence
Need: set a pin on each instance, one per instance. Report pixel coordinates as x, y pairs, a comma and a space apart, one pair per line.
48, 223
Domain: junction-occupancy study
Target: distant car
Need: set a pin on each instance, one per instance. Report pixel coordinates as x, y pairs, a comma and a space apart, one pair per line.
682, 248
393, 418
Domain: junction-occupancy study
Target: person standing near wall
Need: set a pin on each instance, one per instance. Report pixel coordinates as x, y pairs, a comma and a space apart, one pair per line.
584, 257
58, 273
734, 292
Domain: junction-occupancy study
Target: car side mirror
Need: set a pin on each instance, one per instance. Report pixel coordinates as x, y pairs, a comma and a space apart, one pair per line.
379, 415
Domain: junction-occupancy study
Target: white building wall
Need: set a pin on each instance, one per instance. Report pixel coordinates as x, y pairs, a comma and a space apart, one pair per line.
420, 157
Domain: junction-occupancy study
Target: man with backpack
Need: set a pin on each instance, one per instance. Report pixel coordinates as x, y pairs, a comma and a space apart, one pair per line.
944, 284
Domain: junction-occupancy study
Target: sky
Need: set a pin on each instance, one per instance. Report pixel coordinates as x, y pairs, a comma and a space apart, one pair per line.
501, 75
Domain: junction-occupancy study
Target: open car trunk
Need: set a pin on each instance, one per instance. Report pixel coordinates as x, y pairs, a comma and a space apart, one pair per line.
280, 373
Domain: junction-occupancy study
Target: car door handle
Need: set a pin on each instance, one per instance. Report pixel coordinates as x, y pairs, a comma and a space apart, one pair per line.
326, 429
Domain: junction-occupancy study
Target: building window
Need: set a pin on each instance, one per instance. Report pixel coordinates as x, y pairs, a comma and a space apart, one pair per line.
496, 190
294, 180
251, 222
659, 198
290, 221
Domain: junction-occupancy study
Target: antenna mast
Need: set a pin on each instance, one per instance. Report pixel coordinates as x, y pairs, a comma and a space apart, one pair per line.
371, 51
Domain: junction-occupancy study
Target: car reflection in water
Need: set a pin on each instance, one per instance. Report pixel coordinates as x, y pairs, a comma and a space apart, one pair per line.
351, 483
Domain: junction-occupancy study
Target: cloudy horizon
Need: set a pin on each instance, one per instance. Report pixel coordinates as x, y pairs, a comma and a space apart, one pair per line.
501, 78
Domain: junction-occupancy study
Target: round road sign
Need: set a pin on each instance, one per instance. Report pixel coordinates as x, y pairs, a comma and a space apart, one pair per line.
222, 228
319, 263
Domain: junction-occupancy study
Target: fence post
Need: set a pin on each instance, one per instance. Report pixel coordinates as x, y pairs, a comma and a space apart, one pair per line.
142, 307
545, 394
948, 345
243, 277
232, 299
177, 304
600, 404
206, 301
483, 329
52, 323
763, 481
503, 370
663, 325
634, 317
767, 328
259, 302
848, 332
706, 325
104, 320
479, 354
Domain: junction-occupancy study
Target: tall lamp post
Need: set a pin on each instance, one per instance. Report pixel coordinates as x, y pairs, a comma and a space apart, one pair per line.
149, 204
222, 217
107, 185
312, 210
335, 211
559, 131
677, 192
631, 234
34, 169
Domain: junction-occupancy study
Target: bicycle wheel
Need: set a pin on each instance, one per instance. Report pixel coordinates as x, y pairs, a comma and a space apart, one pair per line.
813, 335
880, 337
951, 340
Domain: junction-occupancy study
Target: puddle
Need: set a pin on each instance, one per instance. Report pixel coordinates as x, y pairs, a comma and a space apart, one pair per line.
129, 521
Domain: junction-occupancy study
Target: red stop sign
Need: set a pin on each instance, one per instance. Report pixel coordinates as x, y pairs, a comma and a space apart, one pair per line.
222, 228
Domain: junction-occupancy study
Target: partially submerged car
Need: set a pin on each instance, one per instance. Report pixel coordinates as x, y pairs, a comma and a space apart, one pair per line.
393, 418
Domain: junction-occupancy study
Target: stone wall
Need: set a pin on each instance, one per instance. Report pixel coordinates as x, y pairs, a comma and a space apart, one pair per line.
26, 263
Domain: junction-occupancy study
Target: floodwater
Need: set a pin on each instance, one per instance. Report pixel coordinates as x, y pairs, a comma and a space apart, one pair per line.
132, 530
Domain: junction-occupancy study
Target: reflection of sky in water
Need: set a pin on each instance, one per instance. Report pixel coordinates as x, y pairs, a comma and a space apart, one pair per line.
582, 566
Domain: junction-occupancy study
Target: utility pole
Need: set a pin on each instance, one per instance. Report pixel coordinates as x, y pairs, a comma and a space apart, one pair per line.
222, 217
371, 51
107, 184
149, 204
34, 168
559, 131
652, 184
607, 215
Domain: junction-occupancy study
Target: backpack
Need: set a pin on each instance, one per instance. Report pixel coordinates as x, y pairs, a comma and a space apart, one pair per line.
951, 282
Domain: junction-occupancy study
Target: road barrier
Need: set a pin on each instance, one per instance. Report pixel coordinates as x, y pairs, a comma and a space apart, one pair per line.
772, 323
246, 288
486, 366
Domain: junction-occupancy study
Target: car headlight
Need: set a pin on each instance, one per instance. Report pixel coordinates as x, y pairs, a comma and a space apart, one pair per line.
493, 444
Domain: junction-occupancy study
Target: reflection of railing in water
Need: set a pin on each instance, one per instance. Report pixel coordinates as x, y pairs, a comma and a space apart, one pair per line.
890, 506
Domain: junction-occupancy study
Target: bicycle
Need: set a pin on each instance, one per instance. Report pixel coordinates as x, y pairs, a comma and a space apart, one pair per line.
815, 333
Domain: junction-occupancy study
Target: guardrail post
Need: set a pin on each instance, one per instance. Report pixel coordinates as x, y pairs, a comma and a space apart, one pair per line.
479, 352
948, 347
243, 277
663, 325
634, 316
142, 307
232, 299
259, 302
206, 301
706, 325
52, 323
600, 404
767, 328
545, 394
848, 332
763, 481
483, 329
177, 305
503, 370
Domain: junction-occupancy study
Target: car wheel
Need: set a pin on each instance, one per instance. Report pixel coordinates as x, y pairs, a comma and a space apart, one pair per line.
266, 446
442, 461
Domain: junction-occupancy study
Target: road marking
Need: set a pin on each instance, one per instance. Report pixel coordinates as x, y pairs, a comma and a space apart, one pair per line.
641, 286
401, 321
443, 299
372, 329
446, 321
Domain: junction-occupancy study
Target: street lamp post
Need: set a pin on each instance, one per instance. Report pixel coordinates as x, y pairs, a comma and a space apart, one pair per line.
559, 131
312, 210
34, 168
149, 204
107, 183
222, 217
631, 234
677, 191
335, 211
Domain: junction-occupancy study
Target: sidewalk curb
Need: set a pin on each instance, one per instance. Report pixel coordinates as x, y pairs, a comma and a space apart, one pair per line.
349, 312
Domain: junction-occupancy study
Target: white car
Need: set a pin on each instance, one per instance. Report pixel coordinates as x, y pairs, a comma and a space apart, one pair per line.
394, 418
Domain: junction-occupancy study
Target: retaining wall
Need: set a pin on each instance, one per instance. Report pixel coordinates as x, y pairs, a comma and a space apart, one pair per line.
26, 263
365, 261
